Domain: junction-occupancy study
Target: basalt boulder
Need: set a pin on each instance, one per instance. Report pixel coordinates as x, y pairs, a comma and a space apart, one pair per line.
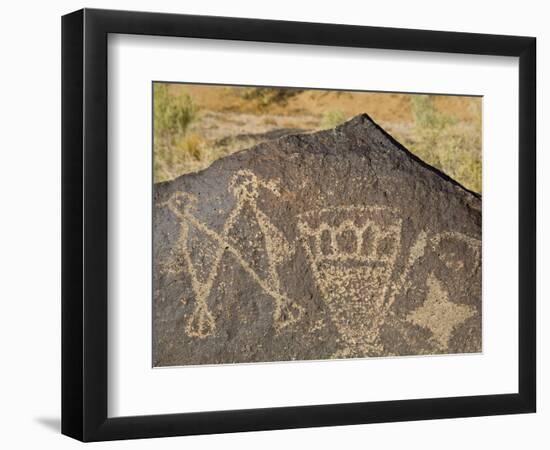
334, 244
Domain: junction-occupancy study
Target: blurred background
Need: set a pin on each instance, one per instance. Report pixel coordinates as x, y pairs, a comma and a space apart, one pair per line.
196, 124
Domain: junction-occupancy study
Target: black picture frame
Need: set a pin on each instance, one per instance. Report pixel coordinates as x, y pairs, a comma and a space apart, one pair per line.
85, 239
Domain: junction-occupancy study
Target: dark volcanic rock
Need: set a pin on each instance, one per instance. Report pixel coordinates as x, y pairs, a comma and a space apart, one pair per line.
335, 244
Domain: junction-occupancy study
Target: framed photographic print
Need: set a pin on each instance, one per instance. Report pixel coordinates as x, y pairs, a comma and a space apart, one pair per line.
273, 224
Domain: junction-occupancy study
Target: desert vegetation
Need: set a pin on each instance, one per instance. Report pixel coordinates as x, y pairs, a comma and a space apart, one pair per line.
196, 124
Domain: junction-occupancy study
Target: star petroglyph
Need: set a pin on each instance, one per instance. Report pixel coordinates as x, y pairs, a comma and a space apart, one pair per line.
352, 258
439, 314
327, 245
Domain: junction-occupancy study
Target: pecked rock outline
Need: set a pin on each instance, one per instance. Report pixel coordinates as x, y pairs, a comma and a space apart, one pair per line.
267, 300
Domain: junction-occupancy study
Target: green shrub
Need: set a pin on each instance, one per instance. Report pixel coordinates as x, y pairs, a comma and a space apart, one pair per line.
265, 96
446, 143
173, 113
426, 116
332, 119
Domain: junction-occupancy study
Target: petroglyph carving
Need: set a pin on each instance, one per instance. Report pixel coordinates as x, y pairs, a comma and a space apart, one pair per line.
271, 247
451, 259
375, 268
439, 314
352, 252
415, 253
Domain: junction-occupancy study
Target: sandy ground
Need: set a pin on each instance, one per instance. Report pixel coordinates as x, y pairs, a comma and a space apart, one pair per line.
230, 119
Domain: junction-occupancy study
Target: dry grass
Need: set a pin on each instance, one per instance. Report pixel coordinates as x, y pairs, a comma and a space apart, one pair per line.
215, 121
445, 142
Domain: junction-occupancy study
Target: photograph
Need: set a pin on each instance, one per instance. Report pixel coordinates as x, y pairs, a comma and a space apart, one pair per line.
274, 225
300, 224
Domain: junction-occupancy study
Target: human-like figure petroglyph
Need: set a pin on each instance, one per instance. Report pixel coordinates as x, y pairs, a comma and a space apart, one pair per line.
276, 250
352, 252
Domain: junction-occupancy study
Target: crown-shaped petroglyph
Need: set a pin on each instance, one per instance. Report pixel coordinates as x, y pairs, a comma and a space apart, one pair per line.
355, 237
352, 252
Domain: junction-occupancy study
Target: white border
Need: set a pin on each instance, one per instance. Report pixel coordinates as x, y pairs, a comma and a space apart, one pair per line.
135, 388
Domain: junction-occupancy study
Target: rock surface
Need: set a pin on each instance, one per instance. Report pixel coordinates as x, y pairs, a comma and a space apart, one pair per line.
334, 244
